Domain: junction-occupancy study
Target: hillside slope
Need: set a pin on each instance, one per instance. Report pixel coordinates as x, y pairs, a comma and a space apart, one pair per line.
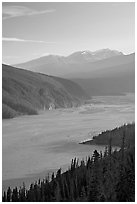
25, 92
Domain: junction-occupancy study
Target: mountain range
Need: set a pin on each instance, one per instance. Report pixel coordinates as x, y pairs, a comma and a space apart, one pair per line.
61, 66
26, 92
103, 72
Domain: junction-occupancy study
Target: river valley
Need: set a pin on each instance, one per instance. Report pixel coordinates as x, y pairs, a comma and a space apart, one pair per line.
33, 146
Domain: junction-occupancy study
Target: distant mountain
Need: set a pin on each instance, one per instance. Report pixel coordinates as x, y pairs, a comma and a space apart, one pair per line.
60, 65
88, 56
94, 69
103, 72
25, 92
109, 77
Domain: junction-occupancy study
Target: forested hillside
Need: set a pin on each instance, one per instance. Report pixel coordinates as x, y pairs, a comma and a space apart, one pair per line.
108, 177
104, 137
26, 92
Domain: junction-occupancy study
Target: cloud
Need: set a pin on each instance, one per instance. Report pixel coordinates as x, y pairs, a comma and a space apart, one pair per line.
16, 11
23, 40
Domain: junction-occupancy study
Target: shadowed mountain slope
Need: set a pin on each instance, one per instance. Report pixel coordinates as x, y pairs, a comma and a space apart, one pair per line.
25, 92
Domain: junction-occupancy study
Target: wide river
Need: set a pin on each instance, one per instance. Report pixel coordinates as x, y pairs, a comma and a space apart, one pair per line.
32, 146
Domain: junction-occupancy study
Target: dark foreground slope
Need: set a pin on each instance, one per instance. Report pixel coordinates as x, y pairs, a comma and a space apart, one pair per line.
104, 178
25, 92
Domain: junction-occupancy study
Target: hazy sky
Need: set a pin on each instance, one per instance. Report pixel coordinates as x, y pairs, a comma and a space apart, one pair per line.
31, 30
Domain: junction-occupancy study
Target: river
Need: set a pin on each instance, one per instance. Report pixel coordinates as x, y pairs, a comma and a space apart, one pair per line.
32, 146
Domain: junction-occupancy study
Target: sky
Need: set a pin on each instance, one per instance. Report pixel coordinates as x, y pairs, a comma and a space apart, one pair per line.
31, 30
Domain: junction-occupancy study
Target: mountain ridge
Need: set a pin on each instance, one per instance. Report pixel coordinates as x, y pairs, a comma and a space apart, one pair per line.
77, 57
